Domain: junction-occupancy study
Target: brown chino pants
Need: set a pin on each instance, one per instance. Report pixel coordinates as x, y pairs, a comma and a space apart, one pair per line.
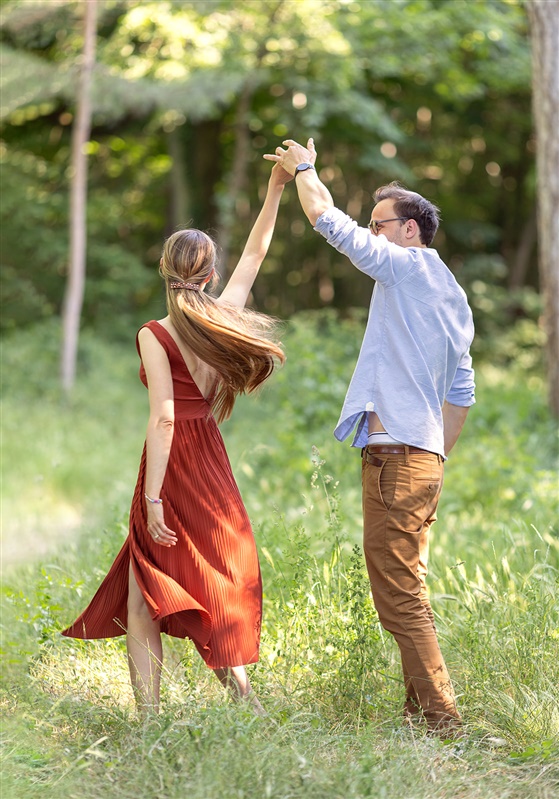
400, 497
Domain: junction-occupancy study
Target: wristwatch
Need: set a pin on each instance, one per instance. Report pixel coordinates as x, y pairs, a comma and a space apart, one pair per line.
302, 168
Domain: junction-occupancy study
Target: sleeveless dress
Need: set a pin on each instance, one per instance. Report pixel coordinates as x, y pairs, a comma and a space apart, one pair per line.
208, 586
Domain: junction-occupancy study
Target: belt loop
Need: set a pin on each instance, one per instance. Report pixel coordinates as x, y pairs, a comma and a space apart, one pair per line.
407, 454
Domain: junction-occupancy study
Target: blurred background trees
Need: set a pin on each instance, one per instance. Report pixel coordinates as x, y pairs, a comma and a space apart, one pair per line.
77, 231
186, 98
545, 82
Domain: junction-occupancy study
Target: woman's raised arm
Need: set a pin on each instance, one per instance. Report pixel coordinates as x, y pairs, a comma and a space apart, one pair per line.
241, 281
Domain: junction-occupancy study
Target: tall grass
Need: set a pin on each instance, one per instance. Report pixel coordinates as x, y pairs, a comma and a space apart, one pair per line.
329, 675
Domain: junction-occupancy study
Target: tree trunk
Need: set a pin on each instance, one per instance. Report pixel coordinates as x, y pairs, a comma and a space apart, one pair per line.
544, 17
524, 248
73, 298
232, 209
180, 203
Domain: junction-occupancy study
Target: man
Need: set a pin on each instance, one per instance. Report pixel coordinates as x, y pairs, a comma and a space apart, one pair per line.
409, 397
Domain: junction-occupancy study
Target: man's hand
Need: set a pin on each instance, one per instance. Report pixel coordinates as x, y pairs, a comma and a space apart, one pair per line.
294, 155
313, 194
453, 422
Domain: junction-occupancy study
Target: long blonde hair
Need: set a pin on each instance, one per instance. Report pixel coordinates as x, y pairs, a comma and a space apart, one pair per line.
228, 338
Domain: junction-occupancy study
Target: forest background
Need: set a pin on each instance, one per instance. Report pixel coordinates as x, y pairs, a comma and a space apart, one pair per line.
186, 98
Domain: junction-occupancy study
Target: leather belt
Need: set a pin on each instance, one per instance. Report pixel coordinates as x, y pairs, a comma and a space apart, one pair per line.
368, 453
386, 449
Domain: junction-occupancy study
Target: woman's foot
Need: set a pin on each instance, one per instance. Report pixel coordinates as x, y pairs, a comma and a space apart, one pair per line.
235, 679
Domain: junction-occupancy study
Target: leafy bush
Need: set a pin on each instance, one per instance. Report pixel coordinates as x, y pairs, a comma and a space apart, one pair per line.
329, 675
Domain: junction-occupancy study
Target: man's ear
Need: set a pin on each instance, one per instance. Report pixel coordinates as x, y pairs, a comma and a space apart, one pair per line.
412, 229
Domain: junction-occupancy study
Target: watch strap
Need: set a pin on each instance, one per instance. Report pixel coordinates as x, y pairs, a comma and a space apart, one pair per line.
303, 167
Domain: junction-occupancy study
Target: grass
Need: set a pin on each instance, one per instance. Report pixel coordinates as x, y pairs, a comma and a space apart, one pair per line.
328, 674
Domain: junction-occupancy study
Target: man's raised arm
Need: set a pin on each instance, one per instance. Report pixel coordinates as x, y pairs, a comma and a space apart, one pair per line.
313, 194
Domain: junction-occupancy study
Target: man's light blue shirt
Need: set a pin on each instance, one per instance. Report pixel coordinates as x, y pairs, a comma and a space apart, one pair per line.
416, 348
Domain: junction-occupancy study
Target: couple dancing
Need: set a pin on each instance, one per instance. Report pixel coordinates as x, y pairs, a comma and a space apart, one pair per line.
189, 566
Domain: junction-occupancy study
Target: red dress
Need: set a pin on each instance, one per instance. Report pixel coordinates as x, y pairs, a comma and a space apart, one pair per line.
208, 586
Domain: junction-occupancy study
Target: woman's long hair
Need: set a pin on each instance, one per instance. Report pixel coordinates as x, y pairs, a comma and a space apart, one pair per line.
238, 343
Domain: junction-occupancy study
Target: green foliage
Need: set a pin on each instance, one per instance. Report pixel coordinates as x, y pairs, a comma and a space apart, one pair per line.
182, 90
329, 675
34, 201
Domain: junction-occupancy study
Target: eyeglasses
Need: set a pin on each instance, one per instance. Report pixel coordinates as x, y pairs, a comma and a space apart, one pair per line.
375, 225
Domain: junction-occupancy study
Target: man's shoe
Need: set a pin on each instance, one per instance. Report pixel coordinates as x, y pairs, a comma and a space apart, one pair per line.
447, 729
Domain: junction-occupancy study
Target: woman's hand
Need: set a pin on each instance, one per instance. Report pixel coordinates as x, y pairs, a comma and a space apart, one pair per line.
157, 527
279, 176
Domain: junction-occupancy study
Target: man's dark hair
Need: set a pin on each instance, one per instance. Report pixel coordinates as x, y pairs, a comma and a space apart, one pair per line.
412, 206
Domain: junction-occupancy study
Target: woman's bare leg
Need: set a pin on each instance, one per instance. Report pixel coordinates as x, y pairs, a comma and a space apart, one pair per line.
235, 679
145, 652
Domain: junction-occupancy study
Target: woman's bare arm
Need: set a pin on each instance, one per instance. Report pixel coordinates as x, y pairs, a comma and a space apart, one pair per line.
241, 281
160, 429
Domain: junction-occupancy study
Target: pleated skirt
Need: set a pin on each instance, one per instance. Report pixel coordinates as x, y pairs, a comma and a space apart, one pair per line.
208, 587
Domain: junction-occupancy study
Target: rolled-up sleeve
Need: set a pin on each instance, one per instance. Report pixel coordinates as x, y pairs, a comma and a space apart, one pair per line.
462, 390
373, 255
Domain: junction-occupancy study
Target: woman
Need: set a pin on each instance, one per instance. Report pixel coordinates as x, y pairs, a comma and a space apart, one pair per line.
189, 566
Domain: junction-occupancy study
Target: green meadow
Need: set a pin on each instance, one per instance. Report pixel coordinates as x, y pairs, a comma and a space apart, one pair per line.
329, 676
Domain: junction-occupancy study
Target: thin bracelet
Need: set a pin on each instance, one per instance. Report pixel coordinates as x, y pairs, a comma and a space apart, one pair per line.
153, 501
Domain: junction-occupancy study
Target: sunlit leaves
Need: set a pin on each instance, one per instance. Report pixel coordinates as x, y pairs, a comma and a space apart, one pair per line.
436, 94
26, 80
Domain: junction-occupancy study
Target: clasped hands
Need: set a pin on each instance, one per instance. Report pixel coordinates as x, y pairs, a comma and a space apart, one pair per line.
296, 154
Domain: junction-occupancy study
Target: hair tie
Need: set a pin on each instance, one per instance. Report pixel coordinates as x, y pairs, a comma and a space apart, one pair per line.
178, 285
